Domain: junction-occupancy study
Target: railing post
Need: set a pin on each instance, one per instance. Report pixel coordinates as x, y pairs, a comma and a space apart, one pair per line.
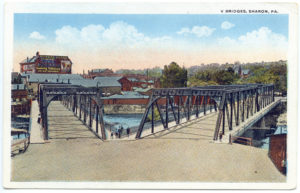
152, 120
80, 106
243, 107
231, 109
197, 106
167, 111
223, 124
90, 108
97, 114
179, 103
84, 110
238, 109
204, 105
189, 107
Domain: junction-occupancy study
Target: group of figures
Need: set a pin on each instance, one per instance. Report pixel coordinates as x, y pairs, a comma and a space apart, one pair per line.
118, 133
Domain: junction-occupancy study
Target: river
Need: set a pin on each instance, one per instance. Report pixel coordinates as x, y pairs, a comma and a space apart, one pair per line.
260, 136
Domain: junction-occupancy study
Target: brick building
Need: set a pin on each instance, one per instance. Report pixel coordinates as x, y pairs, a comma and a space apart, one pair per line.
126, 98
47, 64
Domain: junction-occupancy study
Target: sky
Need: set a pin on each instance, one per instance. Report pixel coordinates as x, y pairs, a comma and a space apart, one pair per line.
138, 41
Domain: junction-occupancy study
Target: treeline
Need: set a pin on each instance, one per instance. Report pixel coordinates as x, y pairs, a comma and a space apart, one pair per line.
214, 77
264, 73
173, 75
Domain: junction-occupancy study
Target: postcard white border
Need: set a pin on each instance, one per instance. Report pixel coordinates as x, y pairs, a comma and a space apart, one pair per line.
165, 7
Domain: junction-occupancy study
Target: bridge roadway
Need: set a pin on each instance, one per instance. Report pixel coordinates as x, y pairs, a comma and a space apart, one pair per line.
184, 153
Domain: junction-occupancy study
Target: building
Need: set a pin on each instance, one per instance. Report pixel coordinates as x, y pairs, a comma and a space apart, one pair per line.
126, 98
125, 84
109, 85
32, 81
46, 64
20, 104
99, 72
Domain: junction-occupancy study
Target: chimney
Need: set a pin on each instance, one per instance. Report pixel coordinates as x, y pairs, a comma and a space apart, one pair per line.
27, 59
37, 53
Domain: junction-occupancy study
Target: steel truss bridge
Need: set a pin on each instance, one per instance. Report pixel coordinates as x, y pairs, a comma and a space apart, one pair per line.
84, 102
233, 104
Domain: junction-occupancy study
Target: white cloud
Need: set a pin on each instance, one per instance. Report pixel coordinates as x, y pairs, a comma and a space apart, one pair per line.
199, 31
227, 25
36, 35
67, 34
184, 30
118, 34
262, 38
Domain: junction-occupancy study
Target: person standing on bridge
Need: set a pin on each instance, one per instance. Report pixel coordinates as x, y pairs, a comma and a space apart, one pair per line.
128, 131
112, 135
121, 131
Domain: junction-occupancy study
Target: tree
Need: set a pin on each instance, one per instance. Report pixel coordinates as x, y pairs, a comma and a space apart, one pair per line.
173, 76
225, 76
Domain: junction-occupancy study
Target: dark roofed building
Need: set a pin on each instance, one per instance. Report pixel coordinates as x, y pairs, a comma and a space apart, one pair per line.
125, 84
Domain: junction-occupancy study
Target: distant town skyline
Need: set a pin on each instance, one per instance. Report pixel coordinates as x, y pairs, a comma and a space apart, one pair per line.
139, 41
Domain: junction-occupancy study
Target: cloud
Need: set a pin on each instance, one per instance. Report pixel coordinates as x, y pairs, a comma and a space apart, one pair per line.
227, 25
36, 35
261, 43
199, 31
263, 36
118, 34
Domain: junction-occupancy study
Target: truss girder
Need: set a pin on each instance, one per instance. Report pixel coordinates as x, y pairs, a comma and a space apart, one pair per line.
232, 102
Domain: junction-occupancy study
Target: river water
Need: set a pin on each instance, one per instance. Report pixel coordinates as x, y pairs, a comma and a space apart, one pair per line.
115, 121
260, 136
20, 123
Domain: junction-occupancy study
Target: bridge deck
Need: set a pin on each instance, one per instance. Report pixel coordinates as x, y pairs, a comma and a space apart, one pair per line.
185, 153
64, 125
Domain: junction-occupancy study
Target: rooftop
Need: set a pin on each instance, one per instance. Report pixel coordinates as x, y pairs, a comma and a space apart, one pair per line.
127, 95
52, 77
105, 81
